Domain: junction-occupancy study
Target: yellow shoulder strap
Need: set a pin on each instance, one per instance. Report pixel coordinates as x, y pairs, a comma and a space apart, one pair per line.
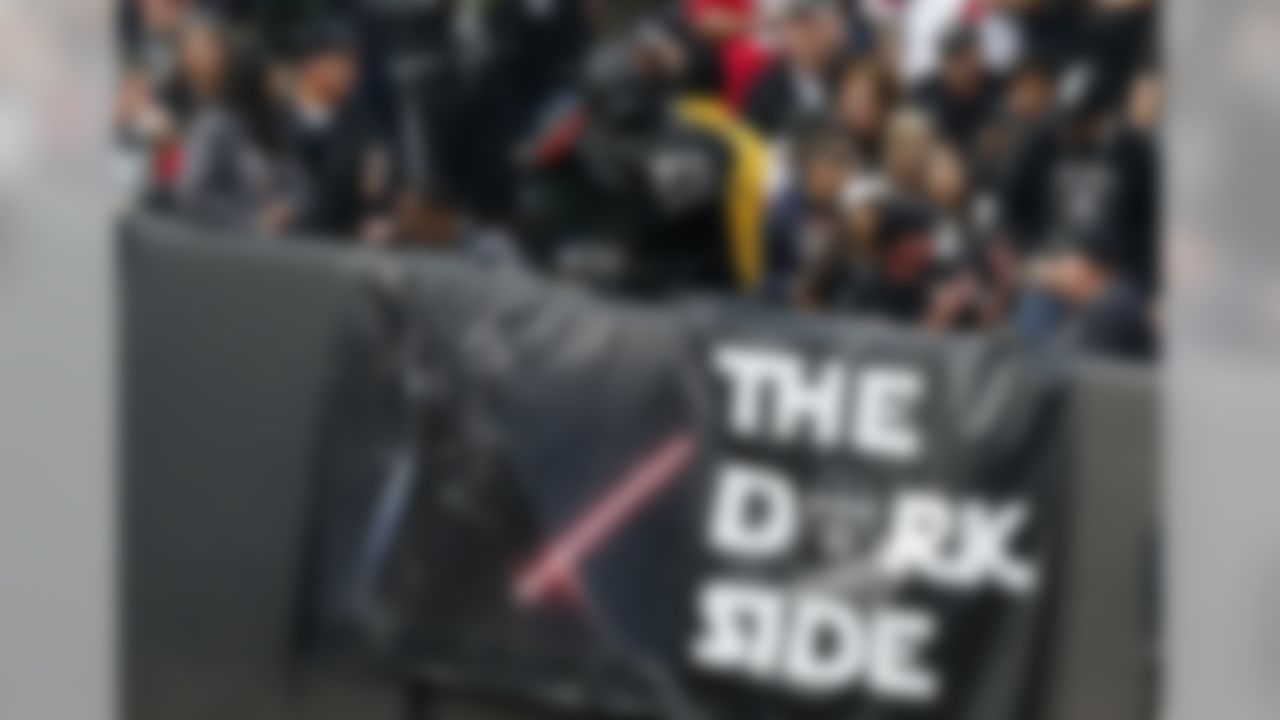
744, 200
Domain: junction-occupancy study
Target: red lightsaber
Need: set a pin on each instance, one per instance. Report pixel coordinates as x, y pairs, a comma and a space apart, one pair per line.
558, 564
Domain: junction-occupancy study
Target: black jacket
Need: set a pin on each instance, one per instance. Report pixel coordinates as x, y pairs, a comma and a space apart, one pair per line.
777, 102
332, 158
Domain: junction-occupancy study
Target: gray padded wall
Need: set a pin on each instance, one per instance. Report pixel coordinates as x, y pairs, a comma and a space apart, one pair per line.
1104, 664
225, 353
222, 367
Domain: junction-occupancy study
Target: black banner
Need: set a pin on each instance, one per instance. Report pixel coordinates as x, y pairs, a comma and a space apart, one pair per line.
701, 511
878, 524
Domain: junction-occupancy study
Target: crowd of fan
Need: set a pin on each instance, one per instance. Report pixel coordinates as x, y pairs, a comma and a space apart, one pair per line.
954, 164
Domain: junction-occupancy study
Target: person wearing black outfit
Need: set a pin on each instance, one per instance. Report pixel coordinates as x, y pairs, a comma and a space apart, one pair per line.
345, 166
483, 75
1082, 300
961, 96
804, 221
892, 280
1134, 154
628, 194
1059, 174
799, 83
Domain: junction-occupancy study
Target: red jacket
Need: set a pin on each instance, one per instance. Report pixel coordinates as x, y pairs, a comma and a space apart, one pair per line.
742, 59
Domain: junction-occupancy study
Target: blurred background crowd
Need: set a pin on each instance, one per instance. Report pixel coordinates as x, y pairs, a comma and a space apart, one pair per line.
958, 165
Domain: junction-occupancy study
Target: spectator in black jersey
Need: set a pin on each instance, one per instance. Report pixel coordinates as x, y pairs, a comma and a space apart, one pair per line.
962, 95
798, 84
345, 164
